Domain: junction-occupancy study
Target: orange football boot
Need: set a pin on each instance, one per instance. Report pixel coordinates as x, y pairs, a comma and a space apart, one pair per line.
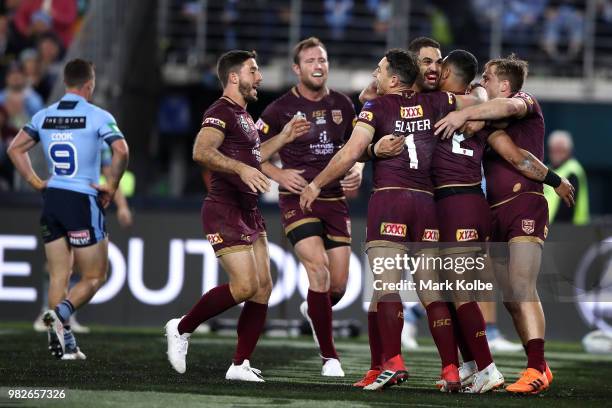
531, 381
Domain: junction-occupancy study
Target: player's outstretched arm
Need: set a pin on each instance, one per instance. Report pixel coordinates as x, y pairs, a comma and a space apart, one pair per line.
121, 156
338, 165
206, 153
498, 108
530, 166
296, 127
18, 153
368, 93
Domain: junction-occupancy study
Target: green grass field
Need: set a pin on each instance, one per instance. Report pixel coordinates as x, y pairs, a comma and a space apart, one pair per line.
128, 367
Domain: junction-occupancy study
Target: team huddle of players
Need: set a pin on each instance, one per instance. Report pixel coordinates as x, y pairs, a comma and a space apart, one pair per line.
427, 132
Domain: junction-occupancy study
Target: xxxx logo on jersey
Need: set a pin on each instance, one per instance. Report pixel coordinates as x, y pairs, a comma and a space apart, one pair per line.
214, 239
431, 235
466, 235
411, 112
394, 230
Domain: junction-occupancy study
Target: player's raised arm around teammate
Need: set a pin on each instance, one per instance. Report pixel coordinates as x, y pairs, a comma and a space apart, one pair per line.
506, 98
530, 166
18, 153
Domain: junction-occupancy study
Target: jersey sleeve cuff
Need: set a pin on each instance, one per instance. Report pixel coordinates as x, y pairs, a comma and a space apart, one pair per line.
111, 139
32, 133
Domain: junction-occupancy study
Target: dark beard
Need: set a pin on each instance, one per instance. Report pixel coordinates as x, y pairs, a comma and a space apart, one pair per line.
315, 88
424, 85
245, 91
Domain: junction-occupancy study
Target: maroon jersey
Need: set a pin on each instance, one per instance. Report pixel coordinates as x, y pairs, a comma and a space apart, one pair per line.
413, 115
457, 161
503, 181
331, 121
241, 143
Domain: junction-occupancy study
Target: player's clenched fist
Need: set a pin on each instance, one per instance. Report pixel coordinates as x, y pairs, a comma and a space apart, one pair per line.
296, 127
253, 178
310, 193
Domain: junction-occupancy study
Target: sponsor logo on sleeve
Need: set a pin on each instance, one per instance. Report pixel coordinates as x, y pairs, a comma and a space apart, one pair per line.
394, 230
214, 122
336, 116
262, 126
431, 235
528, 226
79, 238
214, 239
411, 112
366, 115
466, 235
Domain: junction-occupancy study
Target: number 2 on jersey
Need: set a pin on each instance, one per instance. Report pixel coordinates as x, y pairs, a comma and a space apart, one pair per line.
412, 151
457, 139
63, 155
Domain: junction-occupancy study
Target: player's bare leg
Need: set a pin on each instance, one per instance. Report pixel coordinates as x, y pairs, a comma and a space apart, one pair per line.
241, 268
59, 262
522, 302
339, 261
253, 317
388, 316
92, 263
311, 252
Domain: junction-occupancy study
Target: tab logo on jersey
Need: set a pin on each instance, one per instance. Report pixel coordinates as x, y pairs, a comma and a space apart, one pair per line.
262, 126
466, 235
79, 238
528, 226
214, 121
394, 230
336, 116
524, 96
65, 122
431, 235
214, 239
366, 115
411, 112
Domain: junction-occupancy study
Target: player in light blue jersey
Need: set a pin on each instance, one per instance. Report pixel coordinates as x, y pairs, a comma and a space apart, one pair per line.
71, 132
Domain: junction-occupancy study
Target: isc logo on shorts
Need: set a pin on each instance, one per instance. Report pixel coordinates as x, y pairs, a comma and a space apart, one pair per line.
395, 230
466, 235
214, 239
411, 112
431, 235
289, 214
79, 237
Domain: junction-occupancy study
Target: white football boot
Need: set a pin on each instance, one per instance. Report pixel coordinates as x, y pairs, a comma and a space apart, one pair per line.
409, 333
75, 354
486, 380
500, 343
332, 368
243, 372
467, 371
177, 346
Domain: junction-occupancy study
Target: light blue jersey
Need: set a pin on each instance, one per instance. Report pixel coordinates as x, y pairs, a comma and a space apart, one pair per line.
72, 132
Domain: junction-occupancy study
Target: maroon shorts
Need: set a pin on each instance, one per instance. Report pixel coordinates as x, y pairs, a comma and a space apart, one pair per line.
523, 218
329, 219
401, 216
464, 218
230, 228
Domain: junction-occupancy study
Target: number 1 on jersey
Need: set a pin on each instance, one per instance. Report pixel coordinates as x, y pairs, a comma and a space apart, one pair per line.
412, 151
